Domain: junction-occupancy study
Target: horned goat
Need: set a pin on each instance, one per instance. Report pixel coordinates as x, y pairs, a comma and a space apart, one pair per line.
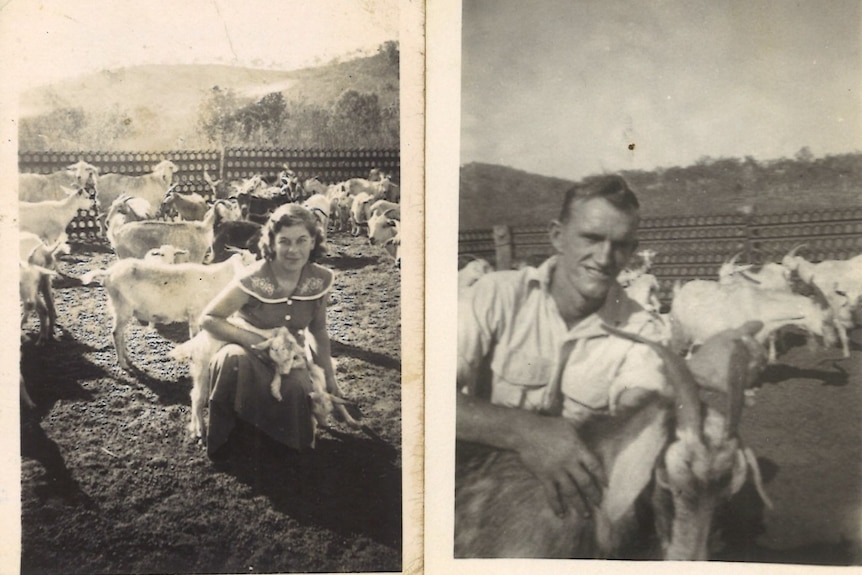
677, 456
771, 276
702, 308
42, 187
839, 282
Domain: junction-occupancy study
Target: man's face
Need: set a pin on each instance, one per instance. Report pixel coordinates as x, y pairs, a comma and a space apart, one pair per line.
594, 245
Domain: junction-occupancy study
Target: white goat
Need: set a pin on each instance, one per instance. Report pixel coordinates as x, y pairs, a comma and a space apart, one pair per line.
30, 279
135, 239
190, 207
151, 187
319, 206
771, 276
359, 212
839, 282
35, 252
315, 186
384, 206
154, 292
501, 509
49, 219
200, 350
390, 190
644, 289
286, 353
340, 203
641, 264
703, 308
43, 187
168, 254
470, 273
381, 228
356, 186
393, 246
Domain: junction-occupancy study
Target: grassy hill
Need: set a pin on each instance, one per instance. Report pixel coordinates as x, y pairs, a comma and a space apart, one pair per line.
492, 194
162, 102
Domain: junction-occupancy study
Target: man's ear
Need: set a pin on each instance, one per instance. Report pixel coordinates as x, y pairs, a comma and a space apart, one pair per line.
555, 233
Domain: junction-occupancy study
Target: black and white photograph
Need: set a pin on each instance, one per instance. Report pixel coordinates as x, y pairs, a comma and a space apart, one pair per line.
209, 211
657, 348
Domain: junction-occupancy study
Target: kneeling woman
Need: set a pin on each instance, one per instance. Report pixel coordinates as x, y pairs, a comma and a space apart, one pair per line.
287, 288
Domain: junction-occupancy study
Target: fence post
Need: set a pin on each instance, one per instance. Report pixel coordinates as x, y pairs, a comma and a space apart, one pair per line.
503, 246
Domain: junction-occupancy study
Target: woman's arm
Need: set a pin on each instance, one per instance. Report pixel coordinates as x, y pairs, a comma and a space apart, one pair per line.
214, 318
321, 347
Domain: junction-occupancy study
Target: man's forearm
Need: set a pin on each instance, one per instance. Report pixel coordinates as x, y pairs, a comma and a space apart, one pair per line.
479, 421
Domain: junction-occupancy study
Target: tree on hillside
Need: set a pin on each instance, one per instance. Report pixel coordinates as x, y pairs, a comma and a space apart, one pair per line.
356, 118
217, 116
261, 122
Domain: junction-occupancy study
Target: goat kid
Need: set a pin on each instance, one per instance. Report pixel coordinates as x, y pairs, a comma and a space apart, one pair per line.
34, 252
200, 350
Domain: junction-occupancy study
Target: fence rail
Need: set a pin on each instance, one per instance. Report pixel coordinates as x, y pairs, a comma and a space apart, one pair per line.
329, 166
692, 247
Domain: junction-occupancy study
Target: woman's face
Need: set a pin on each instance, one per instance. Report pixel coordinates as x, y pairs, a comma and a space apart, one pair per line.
292, 246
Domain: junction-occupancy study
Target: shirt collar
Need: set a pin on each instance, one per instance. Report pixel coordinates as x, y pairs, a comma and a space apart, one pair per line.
617, 309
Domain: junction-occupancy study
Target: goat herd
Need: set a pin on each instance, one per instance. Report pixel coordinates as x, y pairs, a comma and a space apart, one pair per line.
176, 251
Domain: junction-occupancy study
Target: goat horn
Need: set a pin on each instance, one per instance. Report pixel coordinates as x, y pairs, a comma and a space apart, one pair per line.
750, 277
732, 261
792, 251
688, 415
736, 384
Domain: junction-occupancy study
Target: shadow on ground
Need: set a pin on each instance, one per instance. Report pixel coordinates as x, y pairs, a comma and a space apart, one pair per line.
348, 484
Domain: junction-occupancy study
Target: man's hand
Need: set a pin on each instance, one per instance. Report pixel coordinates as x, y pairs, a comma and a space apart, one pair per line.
709, 363
569, 473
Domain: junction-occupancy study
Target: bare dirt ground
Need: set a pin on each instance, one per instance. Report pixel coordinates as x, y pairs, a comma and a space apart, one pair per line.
111, 482
806, 429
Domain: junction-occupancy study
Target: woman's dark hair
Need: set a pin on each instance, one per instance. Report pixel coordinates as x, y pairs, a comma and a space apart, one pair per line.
612, 188
292, 215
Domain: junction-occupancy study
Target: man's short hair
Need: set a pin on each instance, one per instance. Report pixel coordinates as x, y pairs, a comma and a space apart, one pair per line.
612, 188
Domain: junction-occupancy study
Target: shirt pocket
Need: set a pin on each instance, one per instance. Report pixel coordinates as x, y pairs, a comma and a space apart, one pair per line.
519, 379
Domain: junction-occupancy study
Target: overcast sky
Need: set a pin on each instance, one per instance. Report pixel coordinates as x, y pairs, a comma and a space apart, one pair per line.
53, 39
562, 87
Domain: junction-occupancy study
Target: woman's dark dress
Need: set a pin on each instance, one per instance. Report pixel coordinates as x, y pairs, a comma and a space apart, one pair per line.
240, 381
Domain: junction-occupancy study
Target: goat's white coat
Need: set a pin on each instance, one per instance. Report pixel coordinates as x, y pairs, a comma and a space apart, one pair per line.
152, 187
49, 219
161, 293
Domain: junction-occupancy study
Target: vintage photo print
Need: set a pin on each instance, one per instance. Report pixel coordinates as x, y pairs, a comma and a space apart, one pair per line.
656, 350
218, 210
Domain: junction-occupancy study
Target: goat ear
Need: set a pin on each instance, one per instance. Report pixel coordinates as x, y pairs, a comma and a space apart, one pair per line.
262, 346
756, 477
661, 477
739, 472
